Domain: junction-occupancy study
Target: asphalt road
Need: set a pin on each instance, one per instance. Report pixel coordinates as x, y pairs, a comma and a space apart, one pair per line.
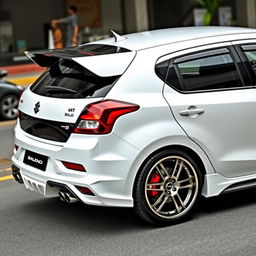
32, 225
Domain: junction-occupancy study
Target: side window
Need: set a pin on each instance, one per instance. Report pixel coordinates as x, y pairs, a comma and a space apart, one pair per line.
251, 56
161, 69
250, 53
208, 73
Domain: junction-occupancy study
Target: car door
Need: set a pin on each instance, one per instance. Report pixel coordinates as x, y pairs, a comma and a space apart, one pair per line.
212, 99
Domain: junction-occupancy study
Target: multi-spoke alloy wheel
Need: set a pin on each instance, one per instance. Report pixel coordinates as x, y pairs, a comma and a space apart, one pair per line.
168, 187
9, 107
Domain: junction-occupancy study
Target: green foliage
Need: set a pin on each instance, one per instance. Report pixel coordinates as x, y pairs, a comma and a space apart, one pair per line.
211, 6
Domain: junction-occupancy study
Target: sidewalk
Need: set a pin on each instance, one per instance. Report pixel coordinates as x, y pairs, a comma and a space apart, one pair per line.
24, 74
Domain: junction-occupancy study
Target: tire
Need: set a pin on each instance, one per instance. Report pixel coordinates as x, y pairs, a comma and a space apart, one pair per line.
168, 188
9, 107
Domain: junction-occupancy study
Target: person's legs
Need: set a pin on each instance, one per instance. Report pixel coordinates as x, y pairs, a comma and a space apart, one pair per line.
68, 43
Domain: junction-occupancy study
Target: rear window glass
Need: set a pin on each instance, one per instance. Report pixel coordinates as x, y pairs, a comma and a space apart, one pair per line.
67, 79
99, 49
81, 51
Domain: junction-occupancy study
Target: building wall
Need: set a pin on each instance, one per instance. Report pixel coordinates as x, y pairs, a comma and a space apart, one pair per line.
29, 17
123, 16
166, 13
111, 17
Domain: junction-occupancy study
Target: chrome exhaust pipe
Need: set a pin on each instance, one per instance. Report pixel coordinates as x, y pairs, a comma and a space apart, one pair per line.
67, 197
70, 198
16, 174
62, 196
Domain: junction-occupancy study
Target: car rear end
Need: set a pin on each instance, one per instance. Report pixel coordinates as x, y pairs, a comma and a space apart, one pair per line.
64, 144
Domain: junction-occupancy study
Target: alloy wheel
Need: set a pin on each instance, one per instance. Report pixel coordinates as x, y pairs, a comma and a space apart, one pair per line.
171, 187
9, 106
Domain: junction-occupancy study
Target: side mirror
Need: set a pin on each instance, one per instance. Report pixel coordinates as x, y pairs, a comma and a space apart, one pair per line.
3, 73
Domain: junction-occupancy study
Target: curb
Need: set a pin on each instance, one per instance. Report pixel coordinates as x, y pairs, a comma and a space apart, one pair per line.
22, 69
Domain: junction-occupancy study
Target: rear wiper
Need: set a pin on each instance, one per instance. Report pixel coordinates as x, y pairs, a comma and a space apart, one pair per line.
59, 89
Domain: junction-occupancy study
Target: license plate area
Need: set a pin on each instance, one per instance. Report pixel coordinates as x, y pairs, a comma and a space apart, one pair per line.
36, 160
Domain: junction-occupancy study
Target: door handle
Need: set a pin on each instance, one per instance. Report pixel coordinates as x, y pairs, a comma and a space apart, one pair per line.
193, 112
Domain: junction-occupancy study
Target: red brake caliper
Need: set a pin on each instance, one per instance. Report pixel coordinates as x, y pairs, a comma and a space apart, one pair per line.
154, 179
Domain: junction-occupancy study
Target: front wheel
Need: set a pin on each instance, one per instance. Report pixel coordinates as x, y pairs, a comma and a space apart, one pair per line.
168, 188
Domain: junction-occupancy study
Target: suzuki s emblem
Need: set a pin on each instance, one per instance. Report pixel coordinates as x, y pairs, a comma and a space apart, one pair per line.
36, 108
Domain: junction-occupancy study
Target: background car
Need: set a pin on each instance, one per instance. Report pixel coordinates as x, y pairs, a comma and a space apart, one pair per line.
9, 98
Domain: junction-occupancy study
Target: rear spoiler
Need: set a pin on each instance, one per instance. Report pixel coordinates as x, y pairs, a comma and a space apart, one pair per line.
105, 65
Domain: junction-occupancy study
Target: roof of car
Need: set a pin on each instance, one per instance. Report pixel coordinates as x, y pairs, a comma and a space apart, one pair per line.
148, 39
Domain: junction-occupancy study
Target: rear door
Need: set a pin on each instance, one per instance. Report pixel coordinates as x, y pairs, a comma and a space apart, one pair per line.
213, 100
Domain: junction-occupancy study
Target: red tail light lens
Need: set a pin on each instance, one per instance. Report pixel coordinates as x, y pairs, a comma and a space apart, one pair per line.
99, 117
85, 191
73, 166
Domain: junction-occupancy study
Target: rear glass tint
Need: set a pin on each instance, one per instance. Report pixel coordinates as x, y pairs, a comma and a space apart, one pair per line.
67, 79
80, 51
99, 49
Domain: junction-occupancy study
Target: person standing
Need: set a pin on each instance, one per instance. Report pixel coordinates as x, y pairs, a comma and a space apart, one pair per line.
57, 35
72, 26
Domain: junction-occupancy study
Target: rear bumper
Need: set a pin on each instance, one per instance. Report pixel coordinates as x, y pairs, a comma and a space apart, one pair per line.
107, 160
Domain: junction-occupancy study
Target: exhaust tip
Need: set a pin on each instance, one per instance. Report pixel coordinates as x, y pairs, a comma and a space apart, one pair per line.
70, 198
67, 197
62, 196
16, 174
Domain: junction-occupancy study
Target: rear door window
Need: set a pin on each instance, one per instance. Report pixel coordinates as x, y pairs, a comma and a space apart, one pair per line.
67, 79
216, 69
250, 53
209, 73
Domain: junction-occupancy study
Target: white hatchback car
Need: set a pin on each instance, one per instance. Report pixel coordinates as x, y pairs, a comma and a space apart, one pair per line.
150, 120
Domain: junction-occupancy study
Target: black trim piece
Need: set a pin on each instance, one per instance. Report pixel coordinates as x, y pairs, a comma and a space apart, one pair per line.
240, 67
35, 160
46, 129
247, 67
240, 186
62, 187
179, 76
249, 47
47, 58
163, 77
201, 54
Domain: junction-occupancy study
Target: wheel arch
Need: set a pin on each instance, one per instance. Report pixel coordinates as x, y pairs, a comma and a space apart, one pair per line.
6, 93
186, 149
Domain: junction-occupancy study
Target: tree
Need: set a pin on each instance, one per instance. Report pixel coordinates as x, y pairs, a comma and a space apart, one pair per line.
211, 6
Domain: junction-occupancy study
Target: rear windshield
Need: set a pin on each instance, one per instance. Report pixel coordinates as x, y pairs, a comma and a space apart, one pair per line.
67, 79
95, 49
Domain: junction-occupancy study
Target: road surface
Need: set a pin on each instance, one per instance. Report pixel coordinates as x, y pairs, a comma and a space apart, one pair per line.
31, 225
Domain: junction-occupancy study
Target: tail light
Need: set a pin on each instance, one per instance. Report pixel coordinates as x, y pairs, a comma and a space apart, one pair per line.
99, 117
85, 191
74, 166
